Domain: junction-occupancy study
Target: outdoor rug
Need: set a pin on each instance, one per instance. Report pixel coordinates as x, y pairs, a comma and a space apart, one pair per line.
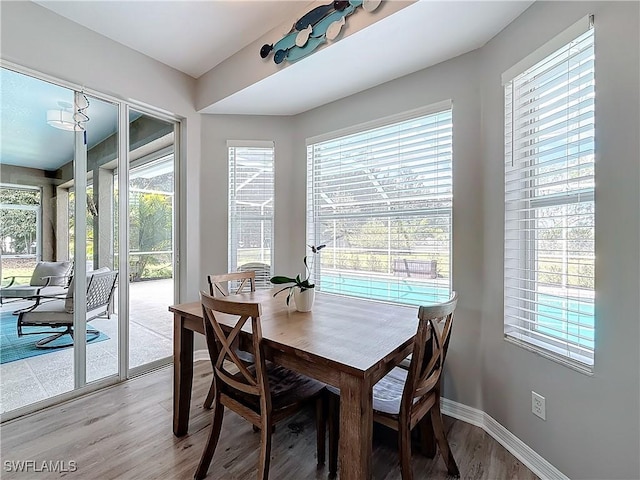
14, 348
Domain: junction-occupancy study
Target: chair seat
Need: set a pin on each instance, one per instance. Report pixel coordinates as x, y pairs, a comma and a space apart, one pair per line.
287, 388
54, 313
26, 291
19, 291
48, 312
387, 393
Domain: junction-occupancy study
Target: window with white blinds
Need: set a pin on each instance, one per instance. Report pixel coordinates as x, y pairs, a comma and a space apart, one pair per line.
549, 255
251, 189
380, 199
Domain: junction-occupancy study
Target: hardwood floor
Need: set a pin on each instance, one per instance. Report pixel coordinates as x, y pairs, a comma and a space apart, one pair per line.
125, 432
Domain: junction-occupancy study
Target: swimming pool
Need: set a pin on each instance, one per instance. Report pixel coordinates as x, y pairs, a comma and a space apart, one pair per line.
566, 318
409, 292
563, 318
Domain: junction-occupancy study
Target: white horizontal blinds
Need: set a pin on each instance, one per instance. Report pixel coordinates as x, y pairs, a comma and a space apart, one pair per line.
381, 201
549, 203
251, 190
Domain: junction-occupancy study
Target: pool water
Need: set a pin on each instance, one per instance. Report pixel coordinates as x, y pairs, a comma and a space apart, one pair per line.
388, 290
562, 318
566, 318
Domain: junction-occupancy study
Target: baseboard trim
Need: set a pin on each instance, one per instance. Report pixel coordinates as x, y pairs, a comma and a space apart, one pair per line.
504, 437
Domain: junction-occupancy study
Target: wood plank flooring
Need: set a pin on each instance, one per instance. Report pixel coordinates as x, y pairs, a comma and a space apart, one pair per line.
125, 432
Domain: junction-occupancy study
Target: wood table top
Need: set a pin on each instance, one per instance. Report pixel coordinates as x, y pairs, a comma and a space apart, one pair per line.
348, 334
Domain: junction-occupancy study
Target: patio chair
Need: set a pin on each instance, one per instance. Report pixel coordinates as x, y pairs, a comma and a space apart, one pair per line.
48, 278
56, 312
403, 398
263, 393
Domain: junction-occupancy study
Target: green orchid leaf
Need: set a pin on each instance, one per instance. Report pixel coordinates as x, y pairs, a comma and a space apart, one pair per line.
281, 290
279, 280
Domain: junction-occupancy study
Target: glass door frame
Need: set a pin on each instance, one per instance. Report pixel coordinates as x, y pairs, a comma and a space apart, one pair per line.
81, 387
123, 171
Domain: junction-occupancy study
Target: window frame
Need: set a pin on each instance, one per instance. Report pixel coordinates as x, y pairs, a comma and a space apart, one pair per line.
231, 232
32, 208
312, 218
527, 333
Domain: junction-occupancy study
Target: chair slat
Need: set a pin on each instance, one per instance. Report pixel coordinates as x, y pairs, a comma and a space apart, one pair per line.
219, 284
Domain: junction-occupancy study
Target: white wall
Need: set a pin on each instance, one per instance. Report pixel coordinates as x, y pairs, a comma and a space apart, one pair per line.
592, 428
36, 38
217, 129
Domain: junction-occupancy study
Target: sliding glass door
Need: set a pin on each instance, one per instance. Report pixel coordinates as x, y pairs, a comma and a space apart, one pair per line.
87, 206
102, 355
36, 175
151, 232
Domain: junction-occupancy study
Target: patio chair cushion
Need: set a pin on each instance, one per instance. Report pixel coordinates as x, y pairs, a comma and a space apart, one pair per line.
26, 291
19, 291
59, 271
54, 312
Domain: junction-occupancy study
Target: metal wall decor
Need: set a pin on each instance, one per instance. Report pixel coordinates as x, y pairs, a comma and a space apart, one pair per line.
319, 25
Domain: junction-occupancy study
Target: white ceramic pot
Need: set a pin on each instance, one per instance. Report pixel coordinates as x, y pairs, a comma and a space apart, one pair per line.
304, 299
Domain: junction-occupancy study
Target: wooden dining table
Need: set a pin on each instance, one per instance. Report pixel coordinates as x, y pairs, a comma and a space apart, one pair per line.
346, 342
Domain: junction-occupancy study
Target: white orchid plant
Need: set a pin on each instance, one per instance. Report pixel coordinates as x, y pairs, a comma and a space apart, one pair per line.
298, 281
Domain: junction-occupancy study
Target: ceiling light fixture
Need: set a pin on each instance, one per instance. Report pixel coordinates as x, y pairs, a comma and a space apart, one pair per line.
62, 118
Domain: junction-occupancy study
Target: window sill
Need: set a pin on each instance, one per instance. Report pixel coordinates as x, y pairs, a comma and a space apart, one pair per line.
548, 352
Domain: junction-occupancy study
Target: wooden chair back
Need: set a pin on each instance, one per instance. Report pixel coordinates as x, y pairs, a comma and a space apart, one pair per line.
221, 285
429, 352
249, 380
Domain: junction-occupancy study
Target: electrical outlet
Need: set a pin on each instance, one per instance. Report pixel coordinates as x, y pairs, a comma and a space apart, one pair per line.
538, 407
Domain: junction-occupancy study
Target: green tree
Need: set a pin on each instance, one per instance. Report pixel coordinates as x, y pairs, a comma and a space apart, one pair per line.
18, 225
150, 227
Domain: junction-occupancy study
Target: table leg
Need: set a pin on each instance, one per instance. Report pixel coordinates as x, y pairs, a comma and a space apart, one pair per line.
356, 427
182, 375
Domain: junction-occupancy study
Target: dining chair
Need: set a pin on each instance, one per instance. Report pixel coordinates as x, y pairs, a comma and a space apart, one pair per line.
403, 398
262, 271
262, 393
219, 286
222, 284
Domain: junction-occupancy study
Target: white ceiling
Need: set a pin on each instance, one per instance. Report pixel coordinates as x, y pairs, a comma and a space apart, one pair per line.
194, 36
